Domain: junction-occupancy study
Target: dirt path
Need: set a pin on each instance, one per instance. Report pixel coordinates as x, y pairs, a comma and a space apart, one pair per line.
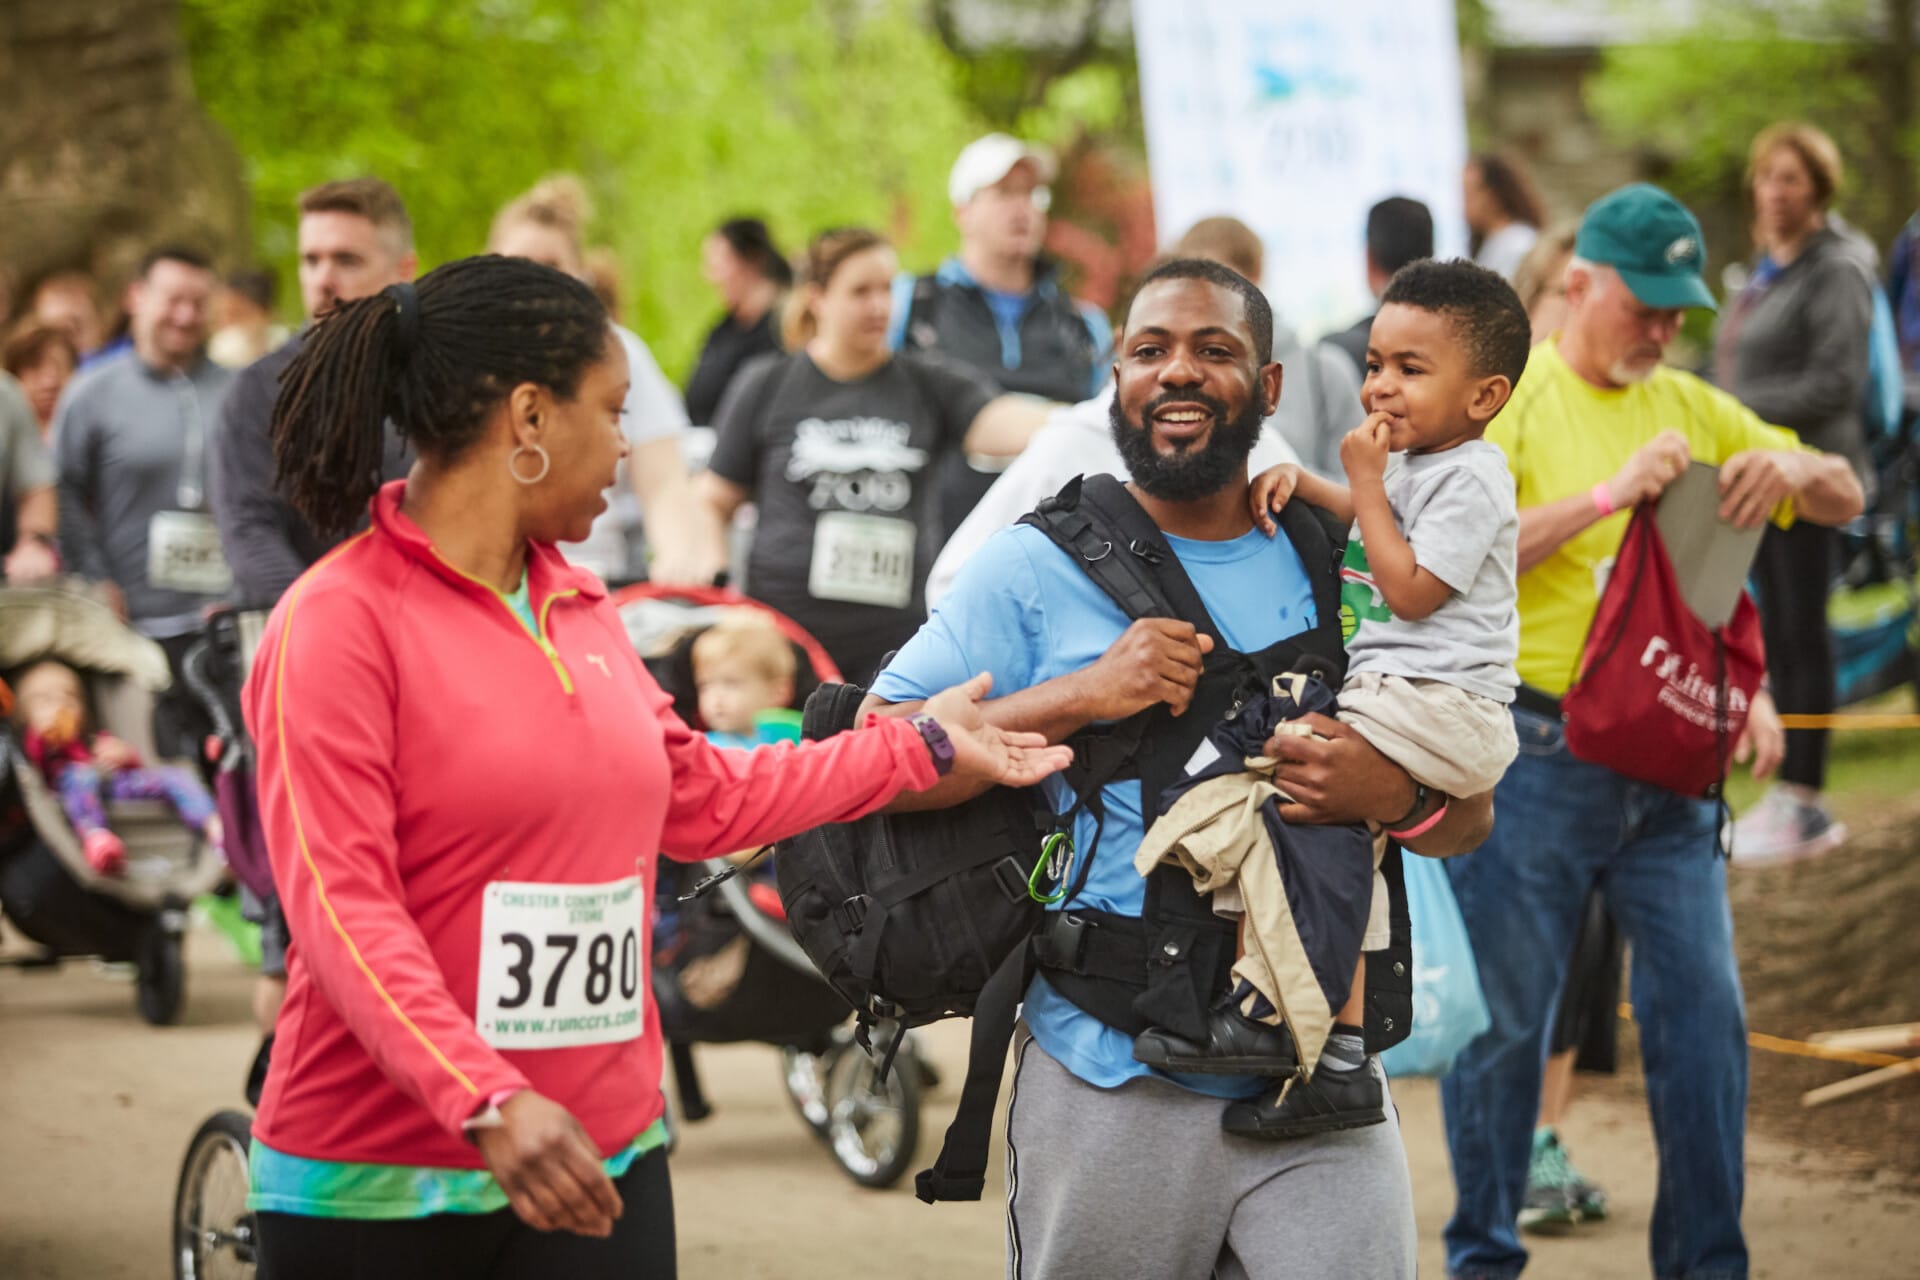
97, 1109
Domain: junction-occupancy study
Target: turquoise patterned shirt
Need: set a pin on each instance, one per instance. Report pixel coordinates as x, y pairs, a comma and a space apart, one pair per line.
341, 1189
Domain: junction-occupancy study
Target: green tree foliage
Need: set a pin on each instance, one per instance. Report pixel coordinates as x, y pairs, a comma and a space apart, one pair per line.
842, 111
1695, 100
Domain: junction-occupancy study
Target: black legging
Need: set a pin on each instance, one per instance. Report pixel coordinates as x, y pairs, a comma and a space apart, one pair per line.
1795, 574
484, 1246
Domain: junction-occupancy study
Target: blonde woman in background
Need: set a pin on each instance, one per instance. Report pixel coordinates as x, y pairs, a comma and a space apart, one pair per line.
653, 492
1541, 279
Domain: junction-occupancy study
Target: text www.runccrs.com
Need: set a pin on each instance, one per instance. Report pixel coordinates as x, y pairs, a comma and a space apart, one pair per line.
583, 1022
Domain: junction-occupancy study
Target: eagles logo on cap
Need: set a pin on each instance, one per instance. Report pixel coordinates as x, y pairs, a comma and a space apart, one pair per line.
1654, 243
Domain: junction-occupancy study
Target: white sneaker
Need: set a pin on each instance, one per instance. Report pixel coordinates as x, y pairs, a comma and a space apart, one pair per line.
1783, 828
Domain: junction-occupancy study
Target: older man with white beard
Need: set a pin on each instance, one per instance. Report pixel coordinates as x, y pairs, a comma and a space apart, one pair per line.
1598, 425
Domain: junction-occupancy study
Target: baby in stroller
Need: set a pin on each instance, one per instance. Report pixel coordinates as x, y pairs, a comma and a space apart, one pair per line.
121, 901
743, 669
743, 676
86, 767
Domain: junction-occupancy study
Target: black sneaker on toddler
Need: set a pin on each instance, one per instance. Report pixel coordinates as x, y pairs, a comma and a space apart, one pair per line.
1333, 1098
1236, 1045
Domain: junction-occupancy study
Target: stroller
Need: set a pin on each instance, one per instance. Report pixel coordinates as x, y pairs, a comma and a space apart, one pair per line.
213, 1230
47, 889
767, 990
1875, 611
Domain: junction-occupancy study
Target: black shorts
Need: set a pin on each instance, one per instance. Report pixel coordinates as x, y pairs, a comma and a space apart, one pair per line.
1588, 1015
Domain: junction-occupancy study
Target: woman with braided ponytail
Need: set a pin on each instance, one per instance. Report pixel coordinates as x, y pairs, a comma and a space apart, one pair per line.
466, 778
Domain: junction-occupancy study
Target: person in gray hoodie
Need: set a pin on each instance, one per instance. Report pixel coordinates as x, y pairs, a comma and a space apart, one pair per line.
1793, 348
131, 442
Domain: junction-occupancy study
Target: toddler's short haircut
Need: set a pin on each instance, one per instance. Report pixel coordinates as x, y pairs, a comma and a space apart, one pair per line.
747, 638
1485, 312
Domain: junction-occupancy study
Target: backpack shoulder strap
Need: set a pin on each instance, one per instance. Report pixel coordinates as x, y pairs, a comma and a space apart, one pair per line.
924, 301
1099, 525
1321, 541
915, 361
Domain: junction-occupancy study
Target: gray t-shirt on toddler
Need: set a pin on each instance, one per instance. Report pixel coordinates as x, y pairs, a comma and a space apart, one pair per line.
1456, 509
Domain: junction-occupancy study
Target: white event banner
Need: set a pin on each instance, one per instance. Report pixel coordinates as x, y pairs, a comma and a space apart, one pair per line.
1296, 116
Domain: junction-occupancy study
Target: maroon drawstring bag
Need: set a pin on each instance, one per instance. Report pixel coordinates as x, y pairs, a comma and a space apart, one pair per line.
1661, 697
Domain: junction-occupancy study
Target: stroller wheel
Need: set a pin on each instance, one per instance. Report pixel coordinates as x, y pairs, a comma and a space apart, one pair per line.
161, 987
805, 1075
213, 1231
873, 1126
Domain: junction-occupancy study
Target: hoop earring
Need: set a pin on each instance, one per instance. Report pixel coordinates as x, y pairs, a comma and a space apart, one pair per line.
546, 464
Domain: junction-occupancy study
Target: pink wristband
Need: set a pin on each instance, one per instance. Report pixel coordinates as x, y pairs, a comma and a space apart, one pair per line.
1602, 499
1412, 833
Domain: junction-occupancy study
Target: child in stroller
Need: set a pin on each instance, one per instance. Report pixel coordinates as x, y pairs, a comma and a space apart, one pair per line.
50, 890
86, 767
743, 670
743, 678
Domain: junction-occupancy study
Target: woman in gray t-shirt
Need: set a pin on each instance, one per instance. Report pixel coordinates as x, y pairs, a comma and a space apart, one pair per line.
837, 442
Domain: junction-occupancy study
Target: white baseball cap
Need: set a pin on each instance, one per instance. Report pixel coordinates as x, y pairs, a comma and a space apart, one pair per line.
985, 161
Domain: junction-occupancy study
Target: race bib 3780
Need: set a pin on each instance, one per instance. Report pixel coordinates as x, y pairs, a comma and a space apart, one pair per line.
560, 964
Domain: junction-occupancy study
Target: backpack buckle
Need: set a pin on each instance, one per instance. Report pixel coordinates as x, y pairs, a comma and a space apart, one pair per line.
1146, 551
1011, 879
1063, 943
850, 914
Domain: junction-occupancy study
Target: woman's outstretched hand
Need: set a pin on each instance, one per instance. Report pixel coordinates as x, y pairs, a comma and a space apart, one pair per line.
985, 752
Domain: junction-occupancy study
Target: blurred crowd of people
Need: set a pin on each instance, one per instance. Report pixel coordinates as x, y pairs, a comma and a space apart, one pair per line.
852, 432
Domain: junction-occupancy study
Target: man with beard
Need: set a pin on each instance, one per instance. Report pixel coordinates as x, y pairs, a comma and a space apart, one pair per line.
1115, 1168
1597, 426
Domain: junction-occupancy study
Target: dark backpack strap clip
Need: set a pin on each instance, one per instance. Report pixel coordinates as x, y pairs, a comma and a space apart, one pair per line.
1061, 942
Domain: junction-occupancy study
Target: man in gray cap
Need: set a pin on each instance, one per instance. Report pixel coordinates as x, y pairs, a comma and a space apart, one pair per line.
997, 305
1597, 425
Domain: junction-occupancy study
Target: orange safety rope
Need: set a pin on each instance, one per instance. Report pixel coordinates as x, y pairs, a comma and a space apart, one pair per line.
1855, 720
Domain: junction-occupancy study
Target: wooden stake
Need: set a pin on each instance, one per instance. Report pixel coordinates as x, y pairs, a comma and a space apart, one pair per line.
1858, 1084
1893, 1037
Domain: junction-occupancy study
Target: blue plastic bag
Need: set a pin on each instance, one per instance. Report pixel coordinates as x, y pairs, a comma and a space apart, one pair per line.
1449, 1009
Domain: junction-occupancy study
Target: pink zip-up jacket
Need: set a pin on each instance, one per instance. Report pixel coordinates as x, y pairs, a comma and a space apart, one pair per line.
417, 744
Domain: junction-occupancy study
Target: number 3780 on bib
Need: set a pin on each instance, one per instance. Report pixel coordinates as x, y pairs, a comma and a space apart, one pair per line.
560, 964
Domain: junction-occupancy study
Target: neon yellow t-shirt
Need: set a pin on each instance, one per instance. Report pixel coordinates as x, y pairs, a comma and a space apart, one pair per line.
1562, 435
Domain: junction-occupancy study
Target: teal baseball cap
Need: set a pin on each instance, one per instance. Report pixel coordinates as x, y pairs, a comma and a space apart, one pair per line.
1652, 241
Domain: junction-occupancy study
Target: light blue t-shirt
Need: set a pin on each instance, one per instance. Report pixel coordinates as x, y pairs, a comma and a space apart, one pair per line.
1025, 612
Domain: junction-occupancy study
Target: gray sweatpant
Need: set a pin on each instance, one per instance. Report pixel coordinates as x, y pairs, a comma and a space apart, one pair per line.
1142, 1181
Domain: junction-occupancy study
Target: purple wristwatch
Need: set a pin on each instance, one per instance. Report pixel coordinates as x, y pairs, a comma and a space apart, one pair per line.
939, 746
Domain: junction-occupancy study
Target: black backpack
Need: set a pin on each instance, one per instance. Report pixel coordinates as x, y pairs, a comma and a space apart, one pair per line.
908, 915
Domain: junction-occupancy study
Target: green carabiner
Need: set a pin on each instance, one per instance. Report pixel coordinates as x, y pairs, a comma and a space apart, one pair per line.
1052, 866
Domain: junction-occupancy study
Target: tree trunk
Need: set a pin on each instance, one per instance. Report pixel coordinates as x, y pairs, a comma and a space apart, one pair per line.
104, 150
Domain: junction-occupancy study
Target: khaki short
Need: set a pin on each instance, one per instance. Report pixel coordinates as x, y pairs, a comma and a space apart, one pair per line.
1452, 740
